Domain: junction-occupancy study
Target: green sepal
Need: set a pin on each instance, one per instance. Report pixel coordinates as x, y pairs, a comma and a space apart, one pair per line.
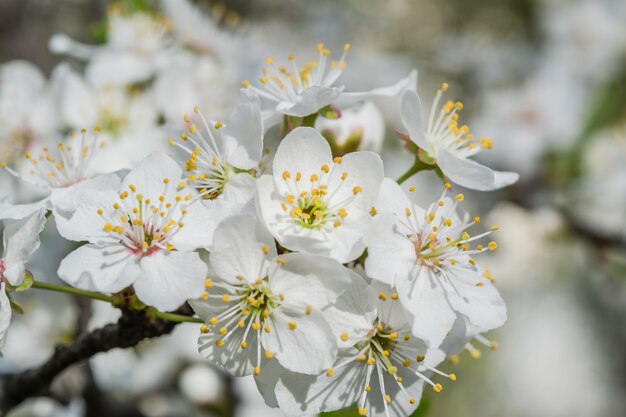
26, 284
16, 307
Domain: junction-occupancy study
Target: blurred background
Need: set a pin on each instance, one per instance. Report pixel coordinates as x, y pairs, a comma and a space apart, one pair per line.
545, 79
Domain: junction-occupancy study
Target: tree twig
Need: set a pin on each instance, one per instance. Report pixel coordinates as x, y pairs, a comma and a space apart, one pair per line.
131, 328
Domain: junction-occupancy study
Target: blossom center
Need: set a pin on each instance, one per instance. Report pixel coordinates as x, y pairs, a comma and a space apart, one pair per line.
144, 226
320, 203
443, 129
207, 167
65, 166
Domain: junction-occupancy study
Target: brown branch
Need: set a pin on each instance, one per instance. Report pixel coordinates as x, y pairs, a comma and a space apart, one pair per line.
131, 328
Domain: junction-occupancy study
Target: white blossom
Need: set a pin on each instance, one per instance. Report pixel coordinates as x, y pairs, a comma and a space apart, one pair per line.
142, 236
426, 255
381, 367
449, 144
316, 204
261, 305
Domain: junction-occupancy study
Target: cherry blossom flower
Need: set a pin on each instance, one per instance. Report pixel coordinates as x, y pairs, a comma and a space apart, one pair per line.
261, 305
449, 144
64, 171
316, 204
141, 236
381, 367
426, 255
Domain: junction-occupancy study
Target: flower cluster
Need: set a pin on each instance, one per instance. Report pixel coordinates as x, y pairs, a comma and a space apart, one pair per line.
311, 270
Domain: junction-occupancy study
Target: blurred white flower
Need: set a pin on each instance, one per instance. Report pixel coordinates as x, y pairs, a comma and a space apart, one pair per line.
137, 46
316, 204
193, 80
142, 236
449, 145
426, 255
546, 112
263, 306
602, 187
64, 172
27, 117
356, 129
587, 36
47, 407
202, 384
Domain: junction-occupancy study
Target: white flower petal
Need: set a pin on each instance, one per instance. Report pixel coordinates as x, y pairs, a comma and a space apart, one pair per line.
239, 189
85, 224
471, 174
246, 127
310, 101
427, 302
199, 225
20, 241
19, 211
365, 169
148, 176
102, 269
354, 311
65, 200
168, 279
234, 359
308, 280
390, 255
349, 239
392, 199
239, 249
482, 305
77, 100
303, 150
407, 83
298, 394
309, 348
412, 118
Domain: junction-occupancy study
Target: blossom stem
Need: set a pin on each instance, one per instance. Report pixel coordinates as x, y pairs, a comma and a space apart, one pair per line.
70, 290
415, 168
175, 318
